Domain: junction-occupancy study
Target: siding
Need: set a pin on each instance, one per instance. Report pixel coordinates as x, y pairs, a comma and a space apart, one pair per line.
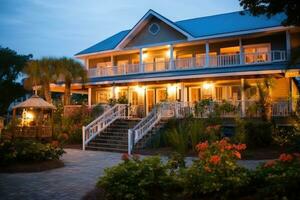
165, 34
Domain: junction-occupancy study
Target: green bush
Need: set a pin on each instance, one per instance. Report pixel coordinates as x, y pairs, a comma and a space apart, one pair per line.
258, 134
216, 174
278, 179
19, 151
137, 179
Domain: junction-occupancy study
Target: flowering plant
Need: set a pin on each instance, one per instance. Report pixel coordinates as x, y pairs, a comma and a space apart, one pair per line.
216, 172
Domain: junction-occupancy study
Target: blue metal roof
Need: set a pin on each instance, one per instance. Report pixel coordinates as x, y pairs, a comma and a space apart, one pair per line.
197, 71
107, 44
228, 23
201, 27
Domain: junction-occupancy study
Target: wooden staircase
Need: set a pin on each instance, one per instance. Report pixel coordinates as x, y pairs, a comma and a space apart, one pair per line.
114, 138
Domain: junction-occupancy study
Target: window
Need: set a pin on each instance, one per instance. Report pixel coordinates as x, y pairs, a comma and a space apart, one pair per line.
257, 53
213, 59
219, 93
195, 94
230, 50
161, 95
235, 93
154, 28
183, 61
160, 64
102, 96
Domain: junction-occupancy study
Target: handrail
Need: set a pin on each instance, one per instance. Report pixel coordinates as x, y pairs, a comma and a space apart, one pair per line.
226, 60
162, 110
93, 129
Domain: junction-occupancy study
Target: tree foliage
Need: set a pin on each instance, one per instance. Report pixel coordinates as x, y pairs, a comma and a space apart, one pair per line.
11, 66
291, 8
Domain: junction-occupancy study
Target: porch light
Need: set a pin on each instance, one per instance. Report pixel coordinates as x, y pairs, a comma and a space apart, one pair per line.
144, 56
139, 89
171, 89
207, 86
168, 53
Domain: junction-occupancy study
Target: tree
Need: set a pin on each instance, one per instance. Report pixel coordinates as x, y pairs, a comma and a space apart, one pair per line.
11, 66
71, 71
291, 9
41, 73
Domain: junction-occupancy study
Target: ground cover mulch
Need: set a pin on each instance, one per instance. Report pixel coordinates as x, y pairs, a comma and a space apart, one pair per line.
31, 167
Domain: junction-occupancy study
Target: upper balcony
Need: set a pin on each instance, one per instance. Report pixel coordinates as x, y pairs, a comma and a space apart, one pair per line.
199, 61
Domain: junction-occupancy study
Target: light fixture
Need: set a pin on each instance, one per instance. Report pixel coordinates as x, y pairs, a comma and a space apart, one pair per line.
171, 89
144, 56
139, 89
207, 86
168, 53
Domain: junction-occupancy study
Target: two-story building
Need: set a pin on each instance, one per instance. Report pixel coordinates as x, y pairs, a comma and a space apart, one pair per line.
190, 60
211, 57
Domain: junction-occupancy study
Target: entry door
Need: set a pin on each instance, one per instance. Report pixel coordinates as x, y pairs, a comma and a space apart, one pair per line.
150, 100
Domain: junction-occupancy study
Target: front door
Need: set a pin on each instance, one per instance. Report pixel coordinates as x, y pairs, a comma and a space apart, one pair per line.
150, 100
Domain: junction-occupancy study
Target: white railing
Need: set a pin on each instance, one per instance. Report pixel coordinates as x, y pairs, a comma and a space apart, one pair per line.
162, 110
90, 131
192, 63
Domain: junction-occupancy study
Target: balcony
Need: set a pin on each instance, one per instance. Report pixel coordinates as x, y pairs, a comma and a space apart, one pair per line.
211, 61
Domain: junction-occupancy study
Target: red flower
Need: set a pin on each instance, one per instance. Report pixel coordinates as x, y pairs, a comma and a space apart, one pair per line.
237, 154
125, 157
240, 147
270, 163
285, 157
215, 159
202, 146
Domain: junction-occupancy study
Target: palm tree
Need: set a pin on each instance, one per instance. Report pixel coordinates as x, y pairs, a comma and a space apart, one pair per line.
41, 73
71, 71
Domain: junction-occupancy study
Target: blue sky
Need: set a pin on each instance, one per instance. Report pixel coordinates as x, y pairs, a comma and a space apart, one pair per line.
64, 27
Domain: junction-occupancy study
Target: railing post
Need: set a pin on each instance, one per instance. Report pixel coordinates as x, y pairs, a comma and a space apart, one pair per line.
206, 54
171, 58
129, 141
83, 138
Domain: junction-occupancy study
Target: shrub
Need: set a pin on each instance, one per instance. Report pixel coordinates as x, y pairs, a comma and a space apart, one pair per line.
139, 179
216, 174
279, 179
27, 151
258, 133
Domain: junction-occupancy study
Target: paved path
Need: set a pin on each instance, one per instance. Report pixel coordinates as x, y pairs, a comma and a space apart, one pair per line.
80, 174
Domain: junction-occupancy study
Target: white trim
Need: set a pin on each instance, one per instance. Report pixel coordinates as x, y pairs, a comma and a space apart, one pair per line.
142, 20
190, 77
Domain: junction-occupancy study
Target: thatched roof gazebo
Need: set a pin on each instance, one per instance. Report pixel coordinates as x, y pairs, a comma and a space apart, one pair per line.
33, 118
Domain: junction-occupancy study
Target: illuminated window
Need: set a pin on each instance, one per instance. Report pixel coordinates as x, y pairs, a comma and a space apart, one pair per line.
230, 50
102, 96
257, 53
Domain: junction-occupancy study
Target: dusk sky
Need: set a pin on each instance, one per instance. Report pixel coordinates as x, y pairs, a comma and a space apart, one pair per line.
65, 27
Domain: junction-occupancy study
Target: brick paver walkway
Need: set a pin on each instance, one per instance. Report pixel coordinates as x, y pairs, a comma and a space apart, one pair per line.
80, 174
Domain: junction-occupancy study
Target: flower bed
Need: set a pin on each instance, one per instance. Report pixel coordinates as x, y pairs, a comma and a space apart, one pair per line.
215, 175
29, 155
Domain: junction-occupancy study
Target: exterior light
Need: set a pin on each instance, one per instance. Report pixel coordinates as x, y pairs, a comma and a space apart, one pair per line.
144, 56
207, 86
139, 89
171, 89
168, 53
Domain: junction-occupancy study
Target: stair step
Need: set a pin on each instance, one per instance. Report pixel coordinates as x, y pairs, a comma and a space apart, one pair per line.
96, 144
107, 149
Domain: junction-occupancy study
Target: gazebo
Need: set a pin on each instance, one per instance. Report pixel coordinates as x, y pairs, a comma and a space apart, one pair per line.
33, 118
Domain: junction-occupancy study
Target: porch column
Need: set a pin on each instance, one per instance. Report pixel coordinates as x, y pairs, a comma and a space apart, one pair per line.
141, 61
89, 97
241, 51
86, 63
206, 54
288, 44
171, 57
243, 97
182, 92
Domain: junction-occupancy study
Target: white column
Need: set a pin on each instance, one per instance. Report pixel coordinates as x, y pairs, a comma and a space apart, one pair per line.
90, 97
141, 61
241, 51
243, 97
171, 57
182, 92
86, 63
288, 44
206, 54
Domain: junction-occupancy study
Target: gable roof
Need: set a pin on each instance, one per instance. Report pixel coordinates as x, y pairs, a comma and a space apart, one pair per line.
194, 28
